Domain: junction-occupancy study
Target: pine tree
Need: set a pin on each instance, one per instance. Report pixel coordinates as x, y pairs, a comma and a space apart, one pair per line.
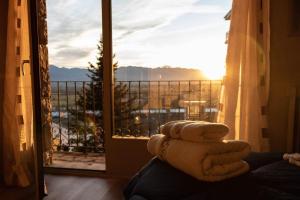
87, 119
93, 93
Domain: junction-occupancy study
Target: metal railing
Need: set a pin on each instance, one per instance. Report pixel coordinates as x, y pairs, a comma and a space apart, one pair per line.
140, 108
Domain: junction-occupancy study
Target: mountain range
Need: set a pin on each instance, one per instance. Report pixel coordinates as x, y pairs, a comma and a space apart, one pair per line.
129, 73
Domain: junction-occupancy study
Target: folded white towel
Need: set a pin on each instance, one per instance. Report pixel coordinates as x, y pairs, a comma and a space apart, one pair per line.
205, 161
155, 144
294, 162
166, 128
195, 131
293, 158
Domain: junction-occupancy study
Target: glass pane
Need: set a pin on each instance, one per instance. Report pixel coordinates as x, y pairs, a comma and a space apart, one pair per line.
169, 61
75, 57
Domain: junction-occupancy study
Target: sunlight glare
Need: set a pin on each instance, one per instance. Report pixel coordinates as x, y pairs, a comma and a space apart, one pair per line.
214, 73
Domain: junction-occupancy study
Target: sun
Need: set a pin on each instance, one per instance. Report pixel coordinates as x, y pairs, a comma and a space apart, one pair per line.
214, 73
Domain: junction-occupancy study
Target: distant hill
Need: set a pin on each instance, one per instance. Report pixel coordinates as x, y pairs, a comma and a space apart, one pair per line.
161, 73
130, 73
68, 74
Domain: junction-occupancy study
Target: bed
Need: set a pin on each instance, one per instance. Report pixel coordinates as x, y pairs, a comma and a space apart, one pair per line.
269, 177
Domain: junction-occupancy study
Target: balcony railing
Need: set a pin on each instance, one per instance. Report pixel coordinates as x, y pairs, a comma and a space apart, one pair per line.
140, 108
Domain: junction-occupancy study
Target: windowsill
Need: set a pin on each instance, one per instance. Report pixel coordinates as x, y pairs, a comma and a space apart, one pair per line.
115, 137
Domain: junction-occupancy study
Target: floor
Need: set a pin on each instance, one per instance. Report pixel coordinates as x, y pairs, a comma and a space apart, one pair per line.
74, 160
83, 188
13, 193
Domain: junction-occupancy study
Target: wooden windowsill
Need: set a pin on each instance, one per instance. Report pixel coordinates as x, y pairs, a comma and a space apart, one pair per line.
115, 137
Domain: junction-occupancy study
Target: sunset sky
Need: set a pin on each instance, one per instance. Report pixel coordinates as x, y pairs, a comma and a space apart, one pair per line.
148, 33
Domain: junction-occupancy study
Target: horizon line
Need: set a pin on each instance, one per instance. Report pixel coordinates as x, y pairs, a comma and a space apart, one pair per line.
164, 67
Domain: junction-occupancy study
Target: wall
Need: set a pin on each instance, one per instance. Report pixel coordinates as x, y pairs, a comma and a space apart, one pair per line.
125, 156
285, 71
3, 22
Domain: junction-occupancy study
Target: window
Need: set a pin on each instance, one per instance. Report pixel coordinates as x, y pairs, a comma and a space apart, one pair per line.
168, 61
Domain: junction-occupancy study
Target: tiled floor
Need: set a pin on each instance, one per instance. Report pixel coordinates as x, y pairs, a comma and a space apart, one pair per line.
74, 160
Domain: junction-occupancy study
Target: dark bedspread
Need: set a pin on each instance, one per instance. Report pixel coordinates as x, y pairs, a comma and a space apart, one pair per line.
269, 178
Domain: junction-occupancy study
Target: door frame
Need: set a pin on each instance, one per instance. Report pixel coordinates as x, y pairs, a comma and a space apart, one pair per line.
107, 80
36, 82
124, 156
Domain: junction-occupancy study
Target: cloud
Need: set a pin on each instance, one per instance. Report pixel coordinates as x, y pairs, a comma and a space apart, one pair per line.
70, 18
72, 53
70, 56
138, 15
70, 23
138, 25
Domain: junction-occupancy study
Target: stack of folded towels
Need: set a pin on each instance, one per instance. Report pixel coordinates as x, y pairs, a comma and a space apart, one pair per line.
293, 158
198, 149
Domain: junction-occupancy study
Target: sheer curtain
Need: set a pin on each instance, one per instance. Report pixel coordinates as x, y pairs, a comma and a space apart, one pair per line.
245, 91
17, 122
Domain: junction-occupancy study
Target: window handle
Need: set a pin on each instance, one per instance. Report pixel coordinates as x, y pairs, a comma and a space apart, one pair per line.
23, 63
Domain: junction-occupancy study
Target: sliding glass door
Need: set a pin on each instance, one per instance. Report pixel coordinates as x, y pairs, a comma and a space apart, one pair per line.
72, 86
152, 65
160, 69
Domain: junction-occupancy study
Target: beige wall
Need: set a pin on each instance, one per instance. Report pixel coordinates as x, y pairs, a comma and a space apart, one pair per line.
285, 71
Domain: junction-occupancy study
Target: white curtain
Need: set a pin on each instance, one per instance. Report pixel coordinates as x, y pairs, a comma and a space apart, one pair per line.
244, 95
17, 100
